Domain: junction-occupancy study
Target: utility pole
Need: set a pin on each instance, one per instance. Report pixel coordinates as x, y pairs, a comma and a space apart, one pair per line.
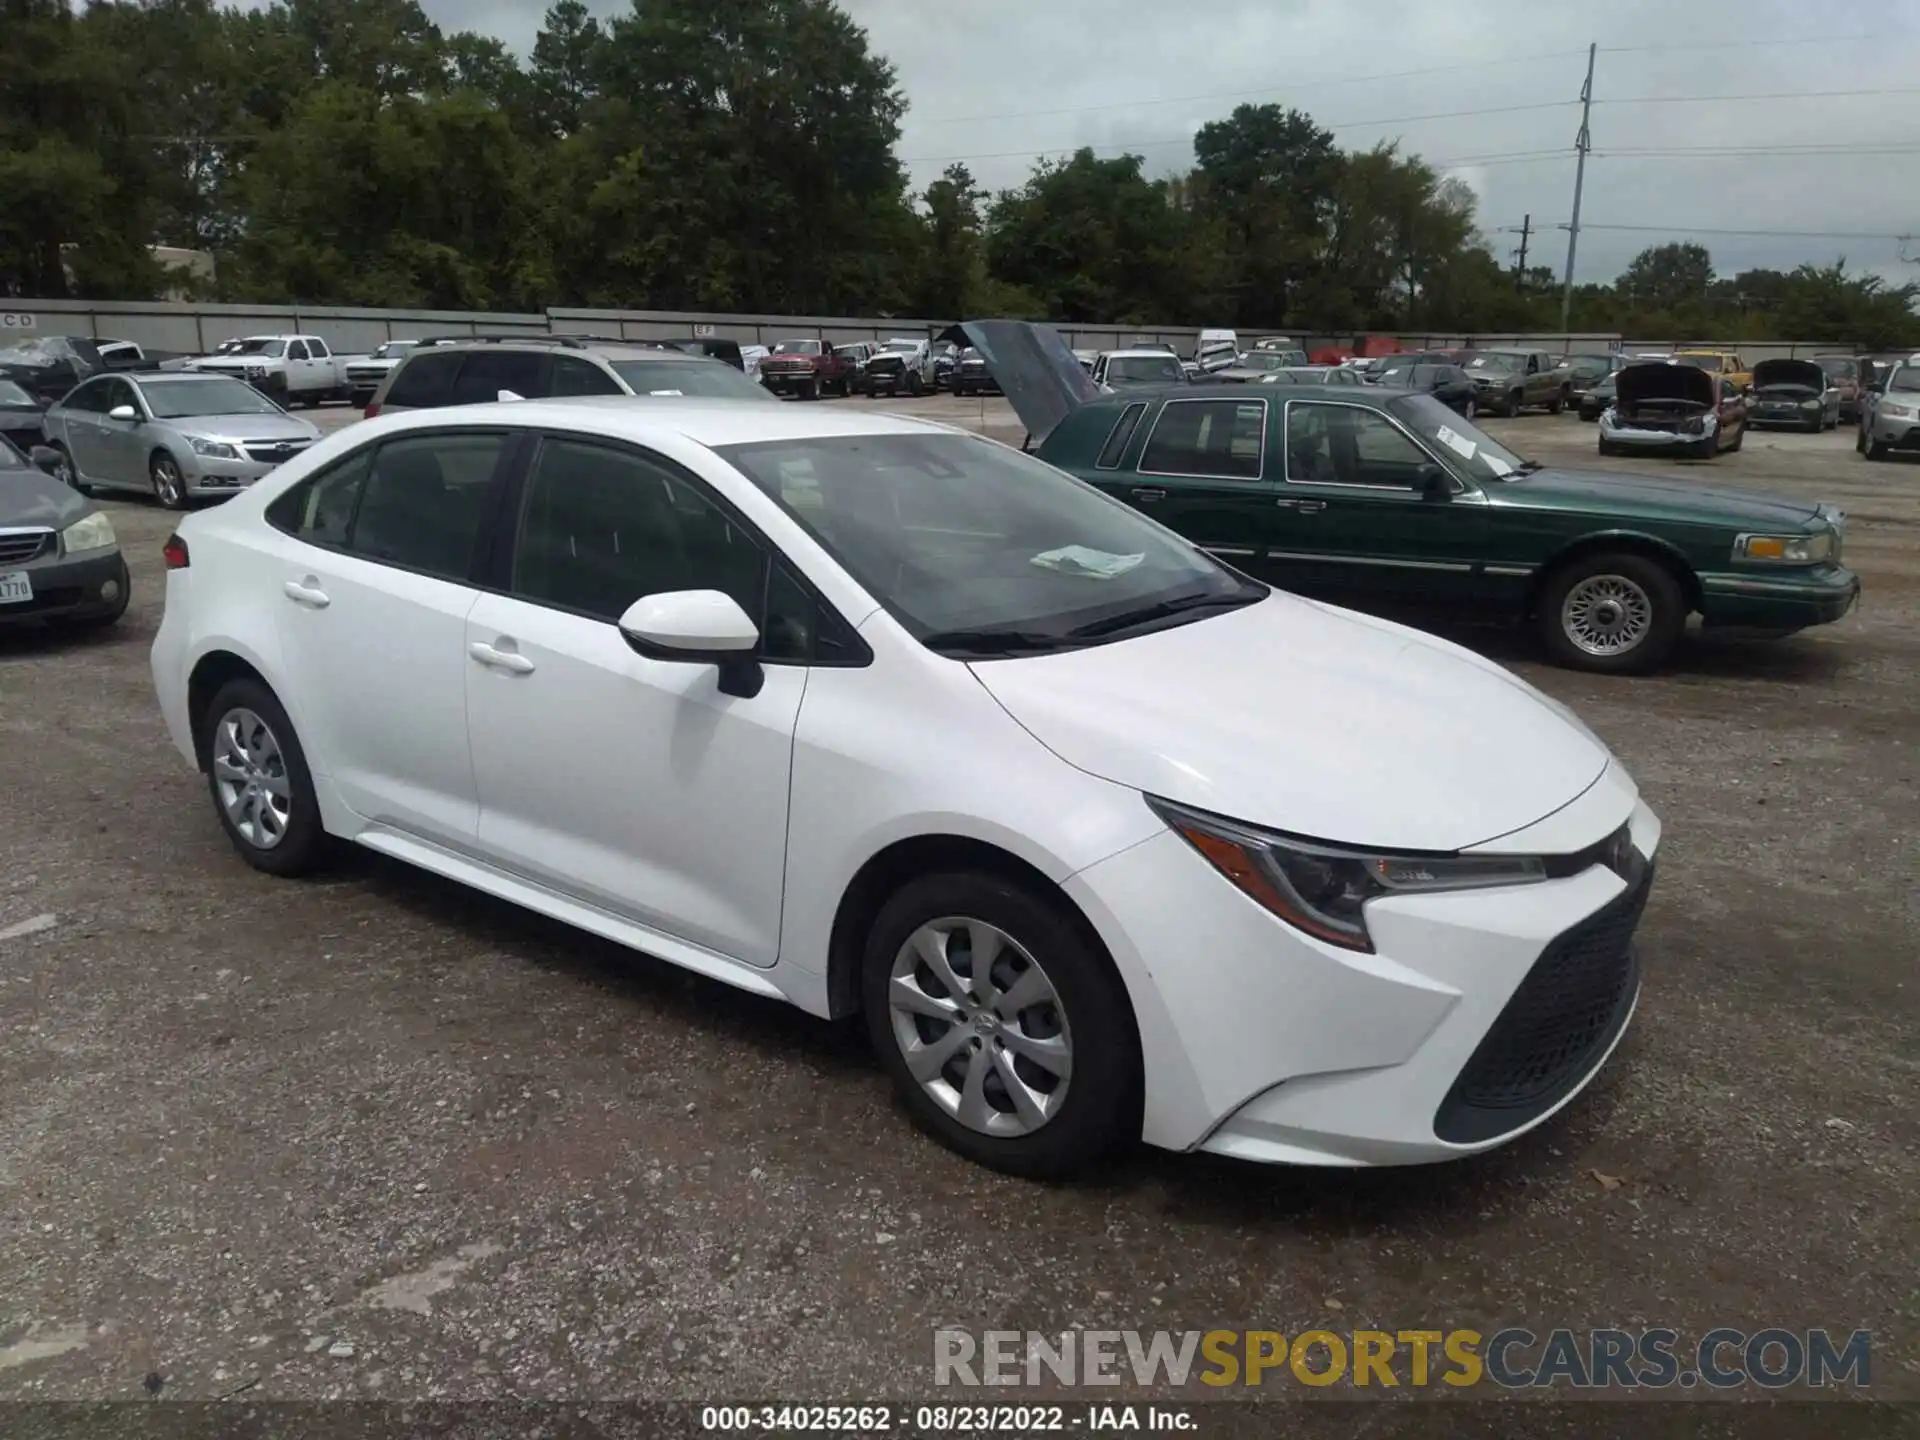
1583, 143
1520, 269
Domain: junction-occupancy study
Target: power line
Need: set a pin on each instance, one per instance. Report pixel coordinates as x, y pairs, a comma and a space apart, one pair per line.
1743, 44
1188, 139
1760, 234
1768, 95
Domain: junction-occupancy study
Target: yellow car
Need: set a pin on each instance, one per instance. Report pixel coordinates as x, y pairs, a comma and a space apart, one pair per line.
1723, 363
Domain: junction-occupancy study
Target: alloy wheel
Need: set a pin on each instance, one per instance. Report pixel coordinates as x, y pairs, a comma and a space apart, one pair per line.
980, 1026
168, 488
1606, 615
250, 778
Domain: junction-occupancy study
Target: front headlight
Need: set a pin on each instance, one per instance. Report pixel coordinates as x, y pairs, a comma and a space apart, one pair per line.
1898, 412
1812, 404
216, 449
1785, 549
1323, 890
95, 532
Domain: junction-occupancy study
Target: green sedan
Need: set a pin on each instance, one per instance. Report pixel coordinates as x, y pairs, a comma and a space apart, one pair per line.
1391, 499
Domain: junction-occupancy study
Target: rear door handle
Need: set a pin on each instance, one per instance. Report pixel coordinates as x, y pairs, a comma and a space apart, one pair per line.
307, 592
1148, 494
512, 661
1310, 507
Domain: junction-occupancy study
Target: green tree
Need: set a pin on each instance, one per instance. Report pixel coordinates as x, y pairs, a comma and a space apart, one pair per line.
1671, 277
566, 53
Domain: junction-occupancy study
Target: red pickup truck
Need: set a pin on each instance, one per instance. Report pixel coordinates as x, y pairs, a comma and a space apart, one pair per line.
807, 369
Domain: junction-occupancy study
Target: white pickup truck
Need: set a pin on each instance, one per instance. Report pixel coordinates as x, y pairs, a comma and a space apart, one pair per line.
292, 369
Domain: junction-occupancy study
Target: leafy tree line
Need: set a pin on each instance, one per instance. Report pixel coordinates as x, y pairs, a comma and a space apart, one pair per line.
734, 155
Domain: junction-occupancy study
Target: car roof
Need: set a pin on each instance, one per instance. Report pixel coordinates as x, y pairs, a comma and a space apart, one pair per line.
706, 420
1138, 352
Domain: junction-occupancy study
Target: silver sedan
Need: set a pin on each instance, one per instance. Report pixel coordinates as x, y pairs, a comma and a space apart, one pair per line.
178, 436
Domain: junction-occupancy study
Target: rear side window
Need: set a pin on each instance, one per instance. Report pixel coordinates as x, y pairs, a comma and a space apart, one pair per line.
425, 380
487, 372
297, 350
321, 510
1223, 438
1116, 445
574, 376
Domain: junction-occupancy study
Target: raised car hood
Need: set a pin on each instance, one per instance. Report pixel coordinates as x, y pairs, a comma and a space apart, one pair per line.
1312, 720
1635, 498
1640, 384
1802, 374
1034, 368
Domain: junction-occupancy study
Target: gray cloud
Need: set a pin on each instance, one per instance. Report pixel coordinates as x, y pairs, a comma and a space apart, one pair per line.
1121, 73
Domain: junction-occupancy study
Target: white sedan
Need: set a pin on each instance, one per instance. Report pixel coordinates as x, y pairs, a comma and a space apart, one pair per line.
1102, 838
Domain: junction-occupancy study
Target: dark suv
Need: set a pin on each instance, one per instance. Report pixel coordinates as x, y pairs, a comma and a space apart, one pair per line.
479, 369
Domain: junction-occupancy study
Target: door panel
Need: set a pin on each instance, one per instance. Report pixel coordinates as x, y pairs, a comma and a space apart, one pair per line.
124, 444
633, 784
1200, 467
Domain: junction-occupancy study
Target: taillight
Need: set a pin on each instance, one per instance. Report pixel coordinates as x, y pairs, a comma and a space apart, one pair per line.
371, 411
176, 552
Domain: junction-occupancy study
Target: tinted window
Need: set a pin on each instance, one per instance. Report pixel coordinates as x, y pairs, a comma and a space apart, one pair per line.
297, 350
317, 348
425, 380
574, 376
423, 501
692, 375
117, 393
90, 399
1346, 445
1116, 445
1208, 437
320, 510
487, 372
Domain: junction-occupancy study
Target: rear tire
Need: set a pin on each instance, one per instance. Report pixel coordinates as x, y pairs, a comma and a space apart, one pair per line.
246, 740
1042, 1090
1613, 613
1558, 403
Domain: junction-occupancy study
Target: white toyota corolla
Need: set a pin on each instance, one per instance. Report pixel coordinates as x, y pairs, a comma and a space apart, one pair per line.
1102, 838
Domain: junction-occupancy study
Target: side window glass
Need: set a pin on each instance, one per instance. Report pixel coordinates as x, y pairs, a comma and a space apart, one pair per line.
320, 510
317, 349
488, 372
424, 500
1116, 445
1346, 445
297, 350
601, 528
573, 376
426, 380
88, 399
1208, 437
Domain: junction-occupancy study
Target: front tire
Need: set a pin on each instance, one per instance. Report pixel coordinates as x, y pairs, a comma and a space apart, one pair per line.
1558, 403
1614, 613
258, 777
67, 474
169, 485
1002, 1024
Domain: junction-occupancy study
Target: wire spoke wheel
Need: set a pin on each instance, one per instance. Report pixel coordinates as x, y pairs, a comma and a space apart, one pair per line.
980, 1026
1606, 615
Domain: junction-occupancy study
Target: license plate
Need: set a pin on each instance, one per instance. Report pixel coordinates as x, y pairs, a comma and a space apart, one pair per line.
16, 587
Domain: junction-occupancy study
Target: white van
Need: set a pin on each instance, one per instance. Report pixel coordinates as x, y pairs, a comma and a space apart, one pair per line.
1216, 350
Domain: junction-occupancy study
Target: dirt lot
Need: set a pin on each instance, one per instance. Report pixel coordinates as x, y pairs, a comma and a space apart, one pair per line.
378, 1137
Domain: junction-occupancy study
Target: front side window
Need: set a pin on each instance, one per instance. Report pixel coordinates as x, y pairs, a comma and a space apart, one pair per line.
487, 372
962, 539
261, 345
12, 394
1348, 445
1224, 438
88, 399
423, 502
1463, 443
317, 349
1494, 364
118, 393
297, 350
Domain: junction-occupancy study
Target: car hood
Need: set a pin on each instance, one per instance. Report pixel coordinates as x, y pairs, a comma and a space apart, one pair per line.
235, 364
33, 497
1312, 720
1801, 374
1637, 384
1648, 498
246, 427
1033, 367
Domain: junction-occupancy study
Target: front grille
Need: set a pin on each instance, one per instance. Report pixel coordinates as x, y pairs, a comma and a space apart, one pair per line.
277, 453
885, 365
18, 548
1566, 1012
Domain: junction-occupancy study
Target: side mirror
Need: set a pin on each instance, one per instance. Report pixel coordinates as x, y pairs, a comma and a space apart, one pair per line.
45, 457
697, 627
1434, 484
123, 412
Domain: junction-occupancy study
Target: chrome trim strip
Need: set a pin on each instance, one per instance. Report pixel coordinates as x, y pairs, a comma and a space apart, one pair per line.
1230, 549
1370, 560
1509, 569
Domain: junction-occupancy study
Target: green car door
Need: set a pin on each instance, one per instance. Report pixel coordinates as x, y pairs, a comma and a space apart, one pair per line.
1367, 512
1205, 468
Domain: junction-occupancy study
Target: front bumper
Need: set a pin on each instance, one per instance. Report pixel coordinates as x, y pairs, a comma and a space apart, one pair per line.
1765, 414
206, 475
1482, 1014
1658, 442
1778, 603
1897, 432
80, 587
789, 382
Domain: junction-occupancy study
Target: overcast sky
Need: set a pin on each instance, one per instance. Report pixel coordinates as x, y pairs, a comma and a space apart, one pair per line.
1143, 75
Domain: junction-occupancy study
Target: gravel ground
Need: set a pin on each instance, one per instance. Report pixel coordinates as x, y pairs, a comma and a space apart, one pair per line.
377, 1136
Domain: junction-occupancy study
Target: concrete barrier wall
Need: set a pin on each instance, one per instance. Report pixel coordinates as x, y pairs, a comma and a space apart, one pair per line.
198, 328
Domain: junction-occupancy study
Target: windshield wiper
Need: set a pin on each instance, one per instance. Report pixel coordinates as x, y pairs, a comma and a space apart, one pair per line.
1160, 610
996, 642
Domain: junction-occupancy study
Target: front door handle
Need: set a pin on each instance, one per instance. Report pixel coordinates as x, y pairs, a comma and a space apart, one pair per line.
512, 661
307, 592
1148, 494
1312, 507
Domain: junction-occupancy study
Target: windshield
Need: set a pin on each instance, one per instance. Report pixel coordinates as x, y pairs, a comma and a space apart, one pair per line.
1699, 362
1497, 363
1839, 369
185, 399
1471, 448
957, 535
1906, 377
798, 347
260, 347
1590, 364
1144, 370
12, 394
689, 377
394, 349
